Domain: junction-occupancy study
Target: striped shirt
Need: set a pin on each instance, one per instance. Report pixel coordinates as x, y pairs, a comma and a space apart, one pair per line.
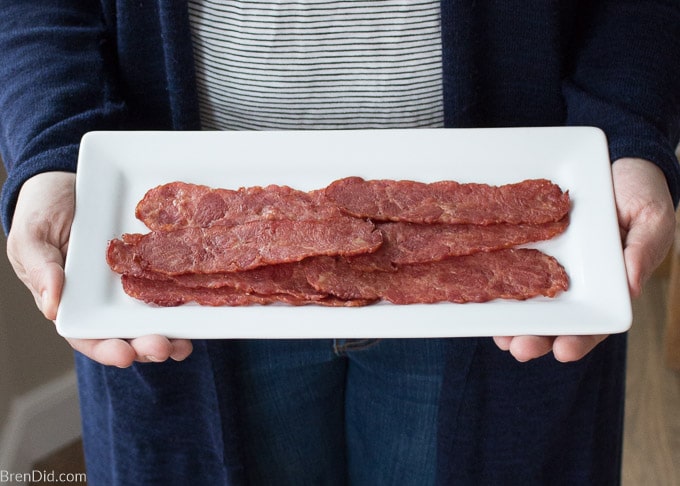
317, 63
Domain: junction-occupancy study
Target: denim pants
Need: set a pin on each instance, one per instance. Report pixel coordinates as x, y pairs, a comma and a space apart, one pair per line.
327, 412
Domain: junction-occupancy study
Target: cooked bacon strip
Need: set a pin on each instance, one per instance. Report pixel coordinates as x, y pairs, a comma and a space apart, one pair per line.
284, 278
179, 205
221, 249
532, 201
405, 243
167, 293
504, 274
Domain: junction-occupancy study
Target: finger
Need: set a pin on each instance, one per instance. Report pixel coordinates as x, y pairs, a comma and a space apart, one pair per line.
156, 349
152, 348
573, 348
181, 349
503, 342
525, 348
110, 352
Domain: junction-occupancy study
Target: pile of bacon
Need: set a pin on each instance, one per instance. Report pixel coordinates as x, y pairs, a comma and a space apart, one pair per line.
352, 243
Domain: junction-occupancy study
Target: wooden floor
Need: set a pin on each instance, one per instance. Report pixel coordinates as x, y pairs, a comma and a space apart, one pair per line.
651, 453
652, 428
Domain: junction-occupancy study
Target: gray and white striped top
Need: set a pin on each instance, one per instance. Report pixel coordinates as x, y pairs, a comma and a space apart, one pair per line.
317, 63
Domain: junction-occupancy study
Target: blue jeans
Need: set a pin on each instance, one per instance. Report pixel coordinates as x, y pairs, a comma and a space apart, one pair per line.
327, 412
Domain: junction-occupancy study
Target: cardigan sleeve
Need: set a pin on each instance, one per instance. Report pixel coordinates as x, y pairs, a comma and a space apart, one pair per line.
625, 79
55, 85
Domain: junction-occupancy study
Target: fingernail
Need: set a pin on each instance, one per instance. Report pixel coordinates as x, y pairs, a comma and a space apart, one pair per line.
153, 359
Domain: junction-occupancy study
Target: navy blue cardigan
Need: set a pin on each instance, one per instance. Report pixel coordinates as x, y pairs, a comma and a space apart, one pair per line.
71, 66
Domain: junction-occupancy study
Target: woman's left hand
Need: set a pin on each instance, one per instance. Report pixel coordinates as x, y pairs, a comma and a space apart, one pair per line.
647, 223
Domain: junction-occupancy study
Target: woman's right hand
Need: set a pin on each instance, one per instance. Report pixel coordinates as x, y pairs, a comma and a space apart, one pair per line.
36, 246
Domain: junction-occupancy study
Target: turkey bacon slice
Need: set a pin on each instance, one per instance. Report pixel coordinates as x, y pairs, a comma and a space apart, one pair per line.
251, 245
503, 274
531, 201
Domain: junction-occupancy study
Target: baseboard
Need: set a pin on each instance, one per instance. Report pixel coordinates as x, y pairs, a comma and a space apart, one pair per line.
40, 422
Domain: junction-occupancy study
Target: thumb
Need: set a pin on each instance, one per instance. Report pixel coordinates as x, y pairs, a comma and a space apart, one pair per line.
645, 247
636, 259
40, 268
52, 283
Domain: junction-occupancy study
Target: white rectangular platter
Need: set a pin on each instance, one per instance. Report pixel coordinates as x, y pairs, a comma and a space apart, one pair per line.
116, 169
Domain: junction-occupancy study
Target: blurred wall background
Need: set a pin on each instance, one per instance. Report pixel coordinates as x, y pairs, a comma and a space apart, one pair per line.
32, 354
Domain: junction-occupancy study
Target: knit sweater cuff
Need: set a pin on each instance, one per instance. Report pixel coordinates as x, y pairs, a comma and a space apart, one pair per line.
59, 159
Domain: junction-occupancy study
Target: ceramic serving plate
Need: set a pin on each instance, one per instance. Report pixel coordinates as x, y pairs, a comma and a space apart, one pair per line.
117, 168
